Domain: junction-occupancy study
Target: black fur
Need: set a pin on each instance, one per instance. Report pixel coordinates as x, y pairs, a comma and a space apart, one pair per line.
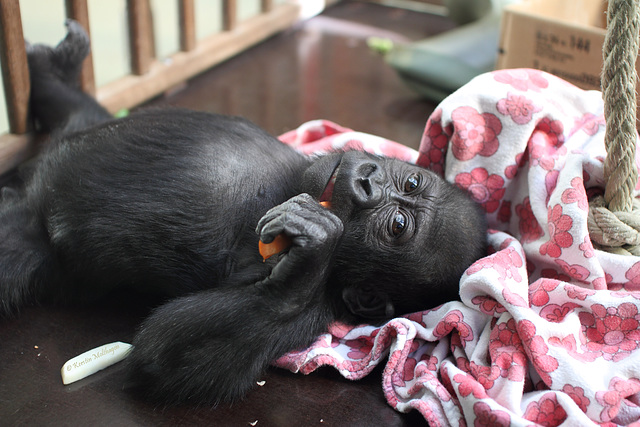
173, 202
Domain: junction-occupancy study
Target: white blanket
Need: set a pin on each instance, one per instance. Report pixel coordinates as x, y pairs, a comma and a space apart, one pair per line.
548, 330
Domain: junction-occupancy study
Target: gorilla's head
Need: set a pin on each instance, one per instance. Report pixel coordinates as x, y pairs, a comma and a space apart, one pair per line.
409, 235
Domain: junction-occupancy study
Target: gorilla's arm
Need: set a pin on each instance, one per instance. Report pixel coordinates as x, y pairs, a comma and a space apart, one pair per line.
213, 346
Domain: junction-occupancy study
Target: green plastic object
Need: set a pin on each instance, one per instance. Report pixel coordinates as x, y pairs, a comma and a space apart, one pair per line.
121, 113
437, 66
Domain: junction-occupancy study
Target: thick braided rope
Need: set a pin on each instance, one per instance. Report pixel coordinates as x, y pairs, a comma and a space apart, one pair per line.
614, 222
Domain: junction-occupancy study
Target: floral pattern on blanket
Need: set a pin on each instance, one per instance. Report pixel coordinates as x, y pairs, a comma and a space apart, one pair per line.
548, 328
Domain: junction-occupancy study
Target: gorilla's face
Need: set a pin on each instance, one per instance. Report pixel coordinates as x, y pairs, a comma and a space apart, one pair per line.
403, 223
397, 199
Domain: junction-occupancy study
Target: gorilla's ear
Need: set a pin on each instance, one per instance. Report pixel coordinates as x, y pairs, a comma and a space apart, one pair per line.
367, 303
8, 193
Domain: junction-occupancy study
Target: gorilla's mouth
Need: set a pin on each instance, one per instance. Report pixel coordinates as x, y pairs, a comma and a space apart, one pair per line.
327, 194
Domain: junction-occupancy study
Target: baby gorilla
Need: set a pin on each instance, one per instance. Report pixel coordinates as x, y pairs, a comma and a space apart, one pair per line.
173, 202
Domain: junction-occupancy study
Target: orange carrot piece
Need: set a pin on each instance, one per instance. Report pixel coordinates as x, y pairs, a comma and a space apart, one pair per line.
280, 243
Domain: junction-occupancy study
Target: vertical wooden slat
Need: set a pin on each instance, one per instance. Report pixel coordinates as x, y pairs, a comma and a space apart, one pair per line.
229, 15
187, 25
79, 11
267, 5
15, 72
140, 36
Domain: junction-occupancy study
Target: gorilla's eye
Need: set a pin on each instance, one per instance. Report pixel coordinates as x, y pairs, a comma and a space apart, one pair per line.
412, 182
399, 224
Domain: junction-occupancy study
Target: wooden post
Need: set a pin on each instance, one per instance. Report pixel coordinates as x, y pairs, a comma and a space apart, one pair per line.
79, 11
187, 25
267, 5
131, 90
140, 36
15, 72
229, 15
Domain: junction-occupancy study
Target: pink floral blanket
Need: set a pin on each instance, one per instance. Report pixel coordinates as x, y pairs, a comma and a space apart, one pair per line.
548, 330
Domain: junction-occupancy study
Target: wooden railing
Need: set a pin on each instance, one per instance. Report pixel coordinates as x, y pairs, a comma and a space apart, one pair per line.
149, 76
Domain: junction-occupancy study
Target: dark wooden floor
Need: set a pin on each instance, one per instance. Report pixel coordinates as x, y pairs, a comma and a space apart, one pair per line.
320, 69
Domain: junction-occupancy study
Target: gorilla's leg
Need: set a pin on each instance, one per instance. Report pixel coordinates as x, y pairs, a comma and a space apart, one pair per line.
57, 103
25, 257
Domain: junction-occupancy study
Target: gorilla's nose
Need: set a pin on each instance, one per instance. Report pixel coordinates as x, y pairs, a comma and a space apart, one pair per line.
366, 182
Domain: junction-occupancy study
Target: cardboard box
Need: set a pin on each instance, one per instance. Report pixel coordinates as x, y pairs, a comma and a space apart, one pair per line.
561, 37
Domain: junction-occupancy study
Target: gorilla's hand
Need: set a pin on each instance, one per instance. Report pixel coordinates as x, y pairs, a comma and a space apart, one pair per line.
314, 231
